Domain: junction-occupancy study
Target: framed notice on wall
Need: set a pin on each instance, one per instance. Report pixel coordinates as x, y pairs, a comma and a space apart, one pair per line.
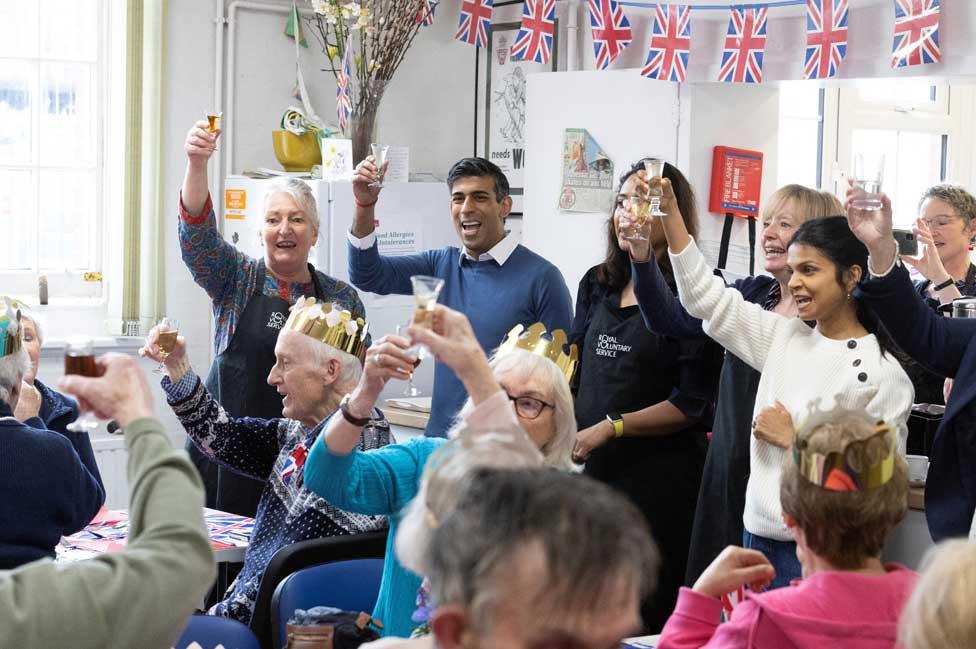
500, 101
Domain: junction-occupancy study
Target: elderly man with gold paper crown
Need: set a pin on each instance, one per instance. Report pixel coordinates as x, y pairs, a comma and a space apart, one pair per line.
526, 385
47, 490
319, 356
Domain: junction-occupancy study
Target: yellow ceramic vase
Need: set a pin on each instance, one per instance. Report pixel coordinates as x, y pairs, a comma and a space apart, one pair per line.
296, 152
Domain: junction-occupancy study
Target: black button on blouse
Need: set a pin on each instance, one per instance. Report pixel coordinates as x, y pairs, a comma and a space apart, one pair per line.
851, 344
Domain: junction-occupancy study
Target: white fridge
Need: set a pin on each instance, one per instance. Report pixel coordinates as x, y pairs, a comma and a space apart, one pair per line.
411, 217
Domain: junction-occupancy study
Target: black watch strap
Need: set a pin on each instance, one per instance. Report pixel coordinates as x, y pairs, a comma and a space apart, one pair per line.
348, 416
946, 284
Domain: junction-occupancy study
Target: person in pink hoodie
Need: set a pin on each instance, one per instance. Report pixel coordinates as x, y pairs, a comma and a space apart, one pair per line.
844, 489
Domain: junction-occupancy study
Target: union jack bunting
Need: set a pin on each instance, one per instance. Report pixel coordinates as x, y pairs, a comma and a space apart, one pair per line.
475, 22
425, 15
826, 38
534, 40
343, 79
667, 57
745, 44
916, 33
611, 31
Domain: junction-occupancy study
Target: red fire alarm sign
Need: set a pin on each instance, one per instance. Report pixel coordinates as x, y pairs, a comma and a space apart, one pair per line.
736, 182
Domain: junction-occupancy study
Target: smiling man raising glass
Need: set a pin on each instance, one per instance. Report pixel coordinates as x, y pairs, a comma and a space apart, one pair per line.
496, 282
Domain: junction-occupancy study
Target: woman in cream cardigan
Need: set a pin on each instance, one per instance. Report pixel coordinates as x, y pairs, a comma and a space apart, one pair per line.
841, 361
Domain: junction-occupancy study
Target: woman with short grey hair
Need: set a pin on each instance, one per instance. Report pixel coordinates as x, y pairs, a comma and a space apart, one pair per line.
251, 298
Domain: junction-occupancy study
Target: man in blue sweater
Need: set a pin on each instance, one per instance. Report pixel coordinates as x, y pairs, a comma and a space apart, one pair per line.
492, 279
48, 490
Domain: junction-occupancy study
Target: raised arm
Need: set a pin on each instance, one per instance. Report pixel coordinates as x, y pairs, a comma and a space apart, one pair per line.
934, 341
660, 308
212, 261
245, 445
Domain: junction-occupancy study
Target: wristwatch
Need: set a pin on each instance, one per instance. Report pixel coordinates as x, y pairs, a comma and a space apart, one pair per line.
946, 284
617, 421
348, 416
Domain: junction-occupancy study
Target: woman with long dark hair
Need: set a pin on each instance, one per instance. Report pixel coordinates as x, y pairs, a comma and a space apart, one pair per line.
642, 405
840, 362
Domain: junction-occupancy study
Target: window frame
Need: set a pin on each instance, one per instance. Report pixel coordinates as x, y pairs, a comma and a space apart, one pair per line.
63, 282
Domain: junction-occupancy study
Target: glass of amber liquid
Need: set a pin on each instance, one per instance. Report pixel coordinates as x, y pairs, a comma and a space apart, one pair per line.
425, 292
639, 209
169, 331
411, 390
79, 359
213, 121
654, 169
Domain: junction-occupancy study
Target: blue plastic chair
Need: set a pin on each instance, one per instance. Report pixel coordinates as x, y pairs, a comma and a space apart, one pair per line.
348, 585
209, 631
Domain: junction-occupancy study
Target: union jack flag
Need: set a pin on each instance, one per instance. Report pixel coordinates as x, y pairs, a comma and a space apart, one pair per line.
534, 40
425, 15
611, 31
343, 79
475, 22
916, 33
826, 38
667, 57
745, 44
295, 461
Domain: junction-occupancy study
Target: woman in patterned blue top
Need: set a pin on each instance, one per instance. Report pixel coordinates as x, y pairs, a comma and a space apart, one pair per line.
250, 300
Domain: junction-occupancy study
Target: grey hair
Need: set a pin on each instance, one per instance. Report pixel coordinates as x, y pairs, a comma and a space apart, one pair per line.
955, 195
36, 321
13, 367
445, 477
319, 354
938, 614
592, 539
523, 364
298, 190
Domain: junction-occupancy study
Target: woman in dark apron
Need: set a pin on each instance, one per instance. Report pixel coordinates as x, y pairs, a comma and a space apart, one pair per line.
721, 500
642, 400
251, 298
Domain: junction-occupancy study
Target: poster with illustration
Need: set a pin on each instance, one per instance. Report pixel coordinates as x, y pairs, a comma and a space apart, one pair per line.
587, 174
336, 159
500, 113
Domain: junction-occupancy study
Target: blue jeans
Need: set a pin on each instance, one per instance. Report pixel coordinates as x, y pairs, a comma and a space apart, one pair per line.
782, 554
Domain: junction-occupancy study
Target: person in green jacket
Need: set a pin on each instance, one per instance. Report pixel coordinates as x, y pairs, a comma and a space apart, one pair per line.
141, 597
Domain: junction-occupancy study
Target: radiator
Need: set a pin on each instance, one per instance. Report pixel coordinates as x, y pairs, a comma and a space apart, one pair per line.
110, 454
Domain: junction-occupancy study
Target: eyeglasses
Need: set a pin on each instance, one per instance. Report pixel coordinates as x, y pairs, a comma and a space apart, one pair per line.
529, 407
939, 223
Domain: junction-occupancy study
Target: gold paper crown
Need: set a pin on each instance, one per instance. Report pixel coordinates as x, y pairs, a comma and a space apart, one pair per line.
532, 340
860, 465
11, 339
329, 324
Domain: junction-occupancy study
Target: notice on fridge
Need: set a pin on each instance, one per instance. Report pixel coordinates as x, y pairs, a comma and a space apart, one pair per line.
587, 173
396, 241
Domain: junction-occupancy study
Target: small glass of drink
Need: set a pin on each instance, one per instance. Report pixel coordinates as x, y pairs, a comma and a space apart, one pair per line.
213, 120
425, 292
379, 159
868, 176
79, 359
169, 331
411, 390
654, 169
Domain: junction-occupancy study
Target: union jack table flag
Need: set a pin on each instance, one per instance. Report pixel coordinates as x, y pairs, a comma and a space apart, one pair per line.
425, 15
745, 44
916, 33
826, 38
475, 22
534, 40
611, 31
343, 79
667, 57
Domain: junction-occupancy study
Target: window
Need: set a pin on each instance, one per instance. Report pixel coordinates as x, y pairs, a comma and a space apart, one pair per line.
53, 76
800, 134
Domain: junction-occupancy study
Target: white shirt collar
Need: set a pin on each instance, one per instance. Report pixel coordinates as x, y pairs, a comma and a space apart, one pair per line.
500, 252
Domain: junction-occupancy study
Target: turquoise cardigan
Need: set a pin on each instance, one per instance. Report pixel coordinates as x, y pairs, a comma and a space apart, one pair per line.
377, 482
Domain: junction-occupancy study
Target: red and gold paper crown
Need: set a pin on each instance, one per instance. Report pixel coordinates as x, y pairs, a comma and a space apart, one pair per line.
860, 465
533, 340
329, 324
11, 337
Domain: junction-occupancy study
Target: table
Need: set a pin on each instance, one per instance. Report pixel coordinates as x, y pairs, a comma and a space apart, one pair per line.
642, 642
109, 530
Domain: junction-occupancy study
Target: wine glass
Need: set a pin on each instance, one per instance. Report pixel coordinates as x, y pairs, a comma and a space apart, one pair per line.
868, 176
639, 208
653, 169
425, 292
411, 390
169, 331
79, 359
379, 159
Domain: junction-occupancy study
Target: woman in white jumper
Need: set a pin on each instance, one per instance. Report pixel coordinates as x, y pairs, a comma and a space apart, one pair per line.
838, 362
